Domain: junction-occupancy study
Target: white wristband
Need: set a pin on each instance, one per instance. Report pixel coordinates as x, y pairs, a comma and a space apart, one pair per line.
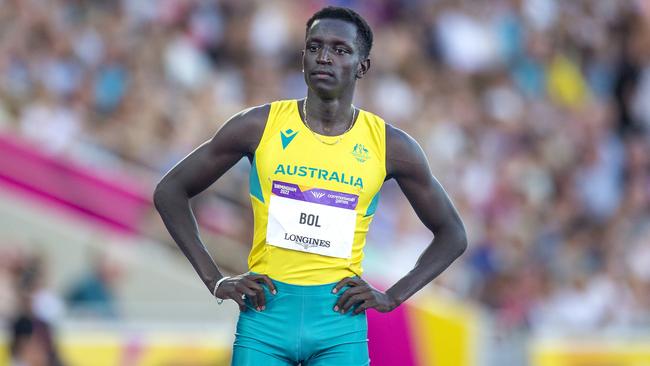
216, 287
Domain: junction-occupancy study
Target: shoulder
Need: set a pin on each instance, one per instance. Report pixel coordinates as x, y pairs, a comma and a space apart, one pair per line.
399, 144
243, 131
403, 153
253, 117
395, 137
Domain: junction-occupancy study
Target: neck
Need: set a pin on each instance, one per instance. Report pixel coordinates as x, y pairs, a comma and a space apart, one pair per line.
328, 116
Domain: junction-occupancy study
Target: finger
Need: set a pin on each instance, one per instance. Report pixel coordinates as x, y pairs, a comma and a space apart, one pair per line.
267, 280
358, 281
342, 283
346, 295
238, 299
343, 298
251, 283
245, 290
250, 293
361, 308
355, 299
258, 297
361, 297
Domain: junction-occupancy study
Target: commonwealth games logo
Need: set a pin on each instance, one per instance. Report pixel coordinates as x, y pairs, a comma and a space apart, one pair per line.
317, 195
360, 153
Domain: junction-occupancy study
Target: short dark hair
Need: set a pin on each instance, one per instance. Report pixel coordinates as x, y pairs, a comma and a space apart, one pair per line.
364, 33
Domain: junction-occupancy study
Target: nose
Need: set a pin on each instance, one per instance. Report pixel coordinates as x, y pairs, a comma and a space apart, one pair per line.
323, 56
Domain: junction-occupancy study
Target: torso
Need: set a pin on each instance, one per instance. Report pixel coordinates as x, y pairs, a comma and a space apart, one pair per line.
314, 196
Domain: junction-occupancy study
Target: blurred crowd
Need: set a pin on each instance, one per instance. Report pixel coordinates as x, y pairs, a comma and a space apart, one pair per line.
28, 308
535, 116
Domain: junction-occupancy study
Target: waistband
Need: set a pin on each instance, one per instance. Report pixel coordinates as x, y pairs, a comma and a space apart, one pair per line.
284, 287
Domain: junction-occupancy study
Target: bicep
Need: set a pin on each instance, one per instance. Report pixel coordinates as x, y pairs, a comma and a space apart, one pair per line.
203, 166
410, 168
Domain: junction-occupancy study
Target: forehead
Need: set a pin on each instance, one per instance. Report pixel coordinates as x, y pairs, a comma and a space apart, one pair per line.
333, 30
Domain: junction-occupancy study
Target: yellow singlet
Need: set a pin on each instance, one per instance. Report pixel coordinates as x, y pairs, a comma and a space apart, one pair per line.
314, 197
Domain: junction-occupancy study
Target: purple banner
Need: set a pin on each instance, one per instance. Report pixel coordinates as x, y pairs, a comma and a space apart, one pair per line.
315, 195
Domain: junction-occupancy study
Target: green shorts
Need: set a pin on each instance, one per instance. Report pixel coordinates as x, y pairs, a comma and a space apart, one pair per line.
299, 325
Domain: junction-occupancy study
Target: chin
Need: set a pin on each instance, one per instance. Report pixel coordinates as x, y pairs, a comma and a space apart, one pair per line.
324, 92
323, 88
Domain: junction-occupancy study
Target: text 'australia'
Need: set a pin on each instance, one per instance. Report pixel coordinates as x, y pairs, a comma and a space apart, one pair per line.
323, 174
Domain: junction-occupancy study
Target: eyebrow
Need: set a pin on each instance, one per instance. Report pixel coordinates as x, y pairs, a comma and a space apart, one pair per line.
336, 41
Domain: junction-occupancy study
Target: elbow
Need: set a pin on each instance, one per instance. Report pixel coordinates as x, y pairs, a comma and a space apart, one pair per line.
160, 194
457, 238
454, 237
167, 190
461, 245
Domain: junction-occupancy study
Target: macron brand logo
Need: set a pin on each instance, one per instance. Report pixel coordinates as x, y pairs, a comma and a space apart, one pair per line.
317, 195
287, 136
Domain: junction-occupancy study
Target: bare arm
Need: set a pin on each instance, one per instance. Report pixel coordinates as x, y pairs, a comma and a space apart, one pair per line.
238, 137
407, 164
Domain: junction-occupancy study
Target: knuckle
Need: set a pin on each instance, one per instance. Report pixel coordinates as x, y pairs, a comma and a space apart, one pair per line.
247, 282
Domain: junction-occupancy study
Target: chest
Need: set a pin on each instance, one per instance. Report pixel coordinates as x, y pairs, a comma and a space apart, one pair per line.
350, 166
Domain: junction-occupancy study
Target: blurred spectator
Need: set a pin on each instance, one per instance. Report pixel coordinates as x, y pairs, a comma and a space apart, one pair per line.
93, 295
54, 126
31, 338
110, 84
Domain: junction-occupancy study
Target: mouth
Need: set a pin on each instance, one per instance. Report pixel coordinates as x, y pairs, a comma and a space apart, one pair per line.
322, 73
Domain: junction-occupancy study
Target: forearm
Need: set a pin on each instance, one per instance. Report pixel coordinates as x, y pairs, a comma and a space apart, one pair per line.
443, 250
174, 208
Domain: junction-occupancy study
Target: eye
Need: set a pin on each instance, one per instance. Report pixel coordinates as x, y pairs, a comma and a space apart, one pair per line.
312, 48
341, 51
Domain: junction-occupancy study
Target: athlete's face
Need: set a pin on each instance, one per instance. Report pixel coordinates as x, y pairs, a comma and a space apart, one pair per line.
331, 59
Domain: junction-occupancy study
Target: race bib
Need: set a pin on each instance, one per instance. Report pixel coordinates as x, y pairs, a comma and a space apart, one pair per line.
313, 220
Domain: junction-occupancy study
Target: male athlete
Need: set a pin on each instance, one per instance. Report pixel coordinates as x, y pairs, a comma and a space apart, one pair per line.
317, 165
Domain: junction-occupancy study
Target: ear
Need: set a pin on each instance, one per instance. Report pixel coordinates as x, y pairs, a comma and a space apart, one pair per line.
302, 58
362, 68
